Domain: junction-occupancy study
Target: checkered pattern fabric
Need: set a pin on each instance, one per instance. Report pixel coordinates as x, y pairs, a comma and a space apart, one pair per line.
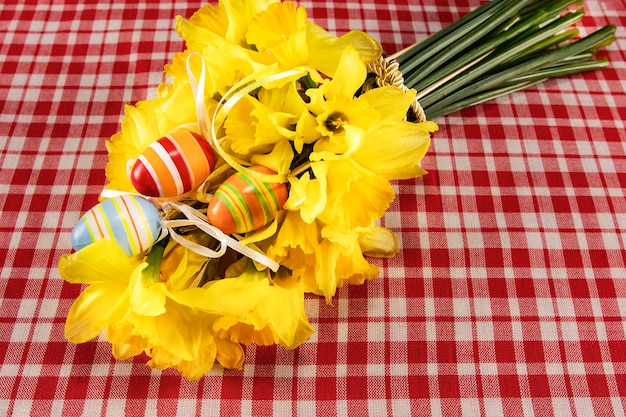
509, 294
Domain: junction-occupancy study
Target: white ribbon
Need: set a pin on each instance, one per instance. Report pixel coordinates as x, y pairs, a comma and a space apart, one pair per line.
107, 193
197, 88
196, 218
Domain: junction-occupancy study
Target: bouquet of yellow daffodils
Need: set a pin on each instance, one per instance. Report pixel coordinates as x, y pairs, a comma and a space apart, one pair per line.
259, 172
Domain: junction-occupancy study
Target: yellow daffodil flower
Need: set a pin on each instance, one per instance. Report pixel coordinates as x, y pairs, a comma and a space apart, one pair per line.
322, 257
227, 353
263, 32
120, 296
364, 142
263, 313
290, 98
187, 329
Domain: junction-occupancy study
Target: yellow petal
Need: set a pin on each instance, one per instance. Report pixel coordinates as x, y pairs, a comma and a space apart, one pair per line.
308, 195
379, 242
226, 62
297, 191
278, 159
195, 367
325, 49
179, 331
253, 128
232, 329
339, 262
355, 270
394, 150
93, 309
349, 76
297, 233
287, 317
367, 47
240, 127
236, 297
308, 276
147, 298
124, 344
340, 146
229, 354
212, 17
280, 319
345, 239
306, 131
368, 195
326, 270
180, 266
271, 126
281, 31
295, 247
101, 262
254, 310
390, 102
285, 99
240, 13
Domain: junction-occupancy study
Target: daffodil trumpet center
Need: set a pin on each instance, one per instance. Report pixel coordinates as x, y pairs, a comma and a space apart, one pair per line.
335, 122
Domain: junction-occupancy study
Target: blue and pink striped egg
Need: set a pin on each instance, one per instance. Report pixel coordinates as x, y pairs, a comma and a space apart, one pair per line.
173, 165
130, 221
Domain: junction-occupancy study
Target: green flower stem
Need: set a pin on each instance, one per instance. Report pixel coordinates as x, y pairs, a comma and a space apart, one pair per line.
483, 49
154, 259
496, 59
501, 47
521, 83
463, 39
546, 59
481, 98
540, 47
433, 45
560, 70
586, 56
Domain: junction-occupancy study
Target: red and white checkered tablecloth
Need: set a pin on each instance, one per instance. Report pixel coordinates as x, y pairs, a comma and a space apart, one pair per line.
509, 294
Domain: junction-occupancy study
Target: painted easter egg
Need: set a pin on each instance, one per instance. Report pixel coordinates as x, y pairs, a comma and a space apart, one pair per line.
173, 165
243, 203
132, 222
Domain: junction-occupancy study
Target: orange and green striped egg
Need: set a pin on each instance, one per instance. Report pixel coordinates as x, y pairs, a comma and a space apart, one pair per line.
243, 203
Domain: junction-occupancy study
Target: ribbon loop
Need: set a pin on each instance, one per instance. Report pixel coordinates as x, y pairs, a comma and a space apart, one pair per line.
197, 88
210, 125
196, 218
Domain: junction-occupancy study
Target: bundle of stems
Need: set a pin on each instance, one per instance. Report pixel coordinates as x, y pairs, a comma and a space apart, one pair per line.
499, 48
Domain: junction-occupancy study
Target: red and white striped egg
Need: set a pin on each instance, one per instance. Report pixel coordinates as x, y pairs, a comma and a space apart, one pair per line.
173, 165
